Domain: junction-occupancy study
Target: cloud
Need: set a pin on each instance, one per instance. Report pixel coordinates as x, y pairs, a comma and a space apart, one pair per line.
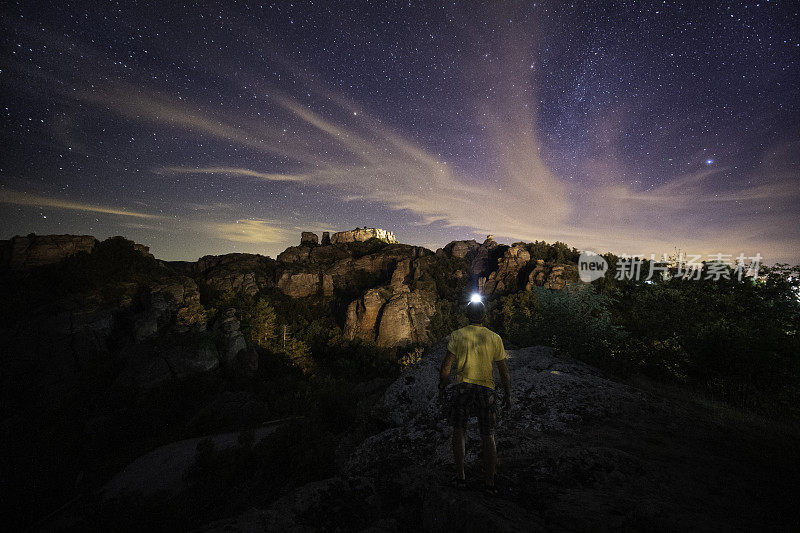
230, 171
22, 198
328, 139
250, 231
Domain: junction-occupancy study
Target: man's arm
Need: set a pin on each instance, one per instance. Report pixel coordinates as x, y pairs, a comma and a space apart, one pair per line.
444, 370
505, 378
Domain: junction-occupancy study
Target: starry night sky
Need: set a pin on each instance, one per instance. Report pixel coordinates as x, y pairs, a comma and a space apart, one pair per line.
633, 127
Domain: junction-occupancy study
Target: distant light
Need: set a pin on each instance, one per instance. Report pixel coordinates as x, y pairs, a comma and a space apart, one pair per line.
475, 298
709, 161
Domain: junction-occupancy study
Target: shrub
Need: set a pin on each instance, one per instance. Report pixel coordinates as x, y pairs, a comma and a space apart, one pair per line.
575, 319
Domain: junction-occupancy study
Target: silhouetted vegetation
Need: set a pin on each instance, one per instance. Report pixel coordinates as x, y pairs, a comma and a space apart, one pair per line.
734, 340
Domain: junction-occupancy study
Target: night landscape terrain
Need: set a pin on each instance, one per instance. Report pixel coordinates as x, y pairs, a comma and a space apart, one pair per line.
238, 236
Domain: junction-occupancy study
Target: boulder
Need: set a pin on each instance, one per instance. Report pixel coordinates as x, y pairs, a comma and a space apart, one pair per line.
485, 258
308, 238
326, 238
237, 273
405, 317
362, 314
391, 316
294, 254
299, 285
506, 278
461, 249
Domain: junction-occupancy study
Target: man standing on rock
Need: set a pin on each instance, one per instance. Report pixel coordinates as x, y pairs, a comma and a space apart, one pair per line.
474, 348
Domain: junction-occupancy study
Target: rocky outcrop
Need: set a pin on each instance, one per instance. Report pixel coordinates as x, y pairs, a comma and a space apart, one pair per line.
326, 238
327, 254
164, 470
507, 276
363, 234
230, 340
405, 317
556, 278
171, 301
537, 276
35, 250
485, 258
462, 249
294, 254
402, 470
576, 451
363, 314
394, 314
304, 284
236, 273
309, 238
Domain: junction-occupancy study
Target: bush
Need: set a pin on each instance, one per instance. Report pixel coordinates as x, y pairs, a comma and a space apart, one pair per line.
575, 319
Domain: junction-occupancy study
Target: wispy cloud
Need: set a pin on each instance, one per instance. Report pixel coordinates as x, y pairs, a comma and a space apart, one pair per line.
22, 198
230, 171
250, 231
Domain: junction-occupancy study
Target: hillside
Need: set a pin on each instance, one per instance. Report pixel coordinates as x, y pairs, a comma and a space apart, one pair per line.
307, 378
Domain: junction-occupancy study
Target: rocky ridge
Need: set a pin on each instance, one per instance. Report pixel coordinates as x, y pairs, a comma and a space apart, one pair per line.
388, 294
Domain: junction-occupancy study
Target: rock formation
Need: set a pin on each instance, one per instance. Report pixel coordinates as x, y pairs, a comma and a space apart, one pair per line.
309, 238
394, 314
236, 273
363, 234
35, 250
235, 356
462, 249
303, 284
537, 276
485, 258
506, 278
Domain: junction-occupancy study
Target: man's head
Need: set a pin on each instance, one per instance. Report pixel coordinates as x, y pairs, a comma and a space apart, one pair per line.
476, 312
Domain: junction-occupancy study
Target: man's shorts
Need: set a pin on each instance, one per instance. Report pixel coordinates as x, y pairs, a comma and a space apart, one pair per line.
470, 399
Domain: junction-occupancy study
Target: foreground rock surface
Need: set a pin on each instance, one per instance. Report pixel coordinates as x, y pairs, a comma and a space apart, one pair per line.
577, 451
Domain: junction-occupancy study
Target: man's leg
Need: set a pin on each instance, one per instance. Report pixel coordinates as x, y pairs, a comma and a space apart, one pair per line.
458, 450
489, 457
487, 421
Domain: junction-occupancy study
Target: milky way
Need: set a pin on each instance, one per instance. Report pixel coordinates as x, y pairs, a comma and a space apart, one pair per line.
632, 127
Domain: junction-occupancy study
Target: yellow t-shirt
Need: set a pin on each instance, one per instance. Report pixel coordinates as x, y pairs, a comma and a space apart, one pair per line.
476, 348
